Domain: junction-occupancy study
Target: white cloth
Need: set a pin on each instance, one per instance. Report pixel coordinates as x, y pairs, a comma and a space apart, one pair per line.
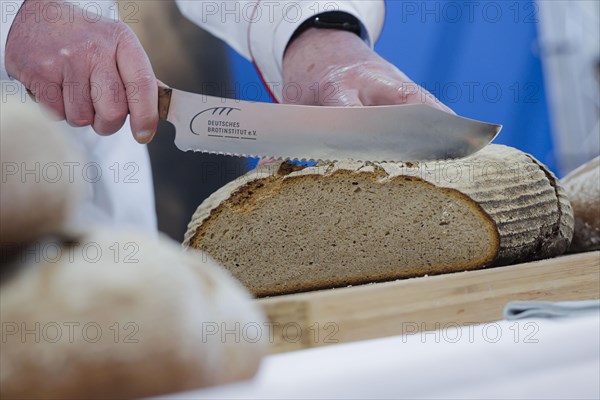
516, 310
261, 29
118, 176
526, 359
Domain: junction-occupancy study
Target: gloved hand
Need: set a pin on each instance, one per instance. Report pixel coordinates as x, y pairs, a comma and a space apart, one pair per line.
337, 68
88, 71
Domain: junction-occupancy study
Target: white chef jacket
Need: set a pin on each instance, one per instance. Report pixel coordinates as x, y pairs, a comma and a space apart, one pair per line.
258, 29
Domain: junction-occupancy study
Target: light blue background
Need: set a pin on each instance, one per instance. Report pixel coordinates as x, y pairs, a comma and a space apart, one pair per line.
478, 57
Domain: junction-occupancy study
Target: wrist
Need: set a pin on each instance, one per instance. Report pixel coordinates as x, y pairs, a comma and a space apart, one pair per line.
322, 46
332, 20
314, 55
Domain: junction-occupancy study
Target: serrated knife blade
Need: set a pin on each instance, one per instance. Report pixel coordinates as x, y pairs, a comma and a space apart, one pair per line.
413, 132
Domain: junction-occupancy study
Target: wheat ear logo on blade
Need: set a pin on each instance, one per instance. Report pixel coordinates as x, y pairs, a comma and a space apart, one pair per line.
217, 122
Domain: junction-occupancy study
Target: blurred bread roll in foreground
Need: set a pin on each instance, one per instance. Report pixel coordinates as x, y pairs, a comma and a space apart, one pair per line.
119, 315
583, 189
36, 192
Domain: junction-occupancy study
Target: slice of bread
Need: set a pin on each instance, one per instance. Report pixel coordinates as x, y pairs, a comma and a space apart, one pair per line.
283, 229
583, 188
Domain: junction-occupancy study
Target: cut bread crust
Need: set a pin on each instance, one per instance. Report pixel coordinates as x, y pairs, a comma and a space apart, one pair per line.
283, 229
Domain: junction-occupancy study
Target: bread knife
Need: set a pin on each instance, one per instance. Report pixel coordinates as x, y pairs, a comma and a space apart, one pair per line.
414, 132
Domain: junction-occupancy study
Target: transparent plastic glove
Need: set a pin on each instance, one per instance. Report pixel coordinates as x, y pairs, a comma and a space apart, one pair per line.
87, 70
336, 68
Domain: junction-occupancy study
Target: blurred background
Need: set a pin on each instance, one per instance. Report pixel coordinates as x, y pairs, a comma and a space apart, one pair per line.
533, 66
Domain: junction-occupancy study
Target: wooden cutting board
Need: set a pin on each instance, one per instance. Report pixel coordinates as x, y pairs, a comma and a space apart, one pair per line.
377, 310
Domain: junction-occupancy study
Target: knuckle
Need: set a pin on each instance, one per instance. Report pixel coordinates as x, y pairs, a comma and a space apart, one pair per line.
49, 70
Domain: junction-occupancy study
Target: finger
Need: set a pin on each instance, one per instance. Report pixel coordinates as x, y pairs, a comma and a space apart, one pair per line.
384, 90
438, 104
347, 98
50, 96
434, 102
140, 86
411, 93
77, 97
379, 89
111, 107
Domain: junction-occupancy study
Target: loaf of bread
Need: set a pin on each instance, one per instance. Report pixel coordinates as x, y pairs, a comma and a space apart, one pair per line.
583, 188
283, 228
119, 315
37, 193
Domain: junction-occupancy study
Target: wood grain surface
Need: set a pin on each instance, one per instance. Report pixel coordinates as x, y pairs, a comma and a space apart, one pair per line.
377, 310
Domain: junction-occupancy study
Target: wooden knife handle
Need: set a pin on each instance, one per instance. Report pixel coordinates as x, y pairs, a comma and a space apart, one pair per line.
164, 101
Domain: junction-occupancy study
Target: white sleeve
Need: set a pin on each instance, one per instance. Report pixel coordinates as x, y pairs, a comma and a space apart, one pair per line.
8, 12
261, 29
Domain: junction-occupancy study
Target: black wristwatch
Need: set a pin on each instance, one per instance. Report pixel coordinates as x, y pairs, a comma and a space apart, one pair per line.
331, 20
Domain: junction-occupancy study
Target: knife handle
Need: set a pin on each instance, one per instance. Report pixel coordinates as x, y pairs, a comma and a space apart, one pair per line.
164, 101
